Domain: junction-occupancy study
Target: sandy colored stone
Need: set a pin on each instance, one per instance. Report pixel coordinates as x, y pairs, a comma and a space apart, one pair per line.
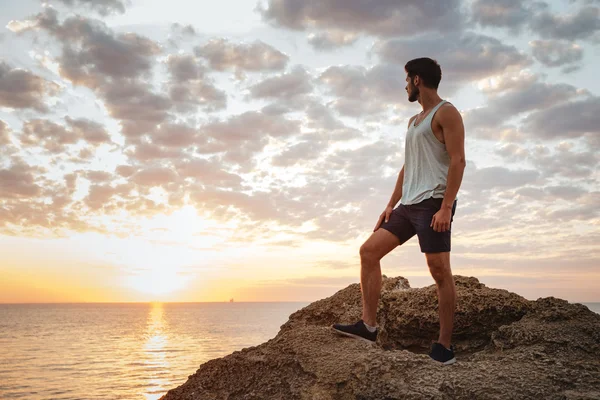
508, 348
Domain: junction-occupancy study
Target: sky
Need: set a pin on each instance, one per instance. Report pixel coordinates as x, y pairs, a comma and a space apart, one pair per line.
177, 151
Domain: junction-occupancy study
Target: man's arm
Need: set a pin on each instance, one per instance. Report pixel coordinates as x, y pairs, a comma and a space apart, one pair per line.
454, 137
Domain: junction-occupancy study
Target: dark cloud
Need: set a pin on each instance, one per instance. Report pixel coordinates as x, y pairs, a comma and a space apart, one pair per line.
581, 25
562, 161
554, 53
511, 14
330, 40
22, 89
385, 18
463, 57
103, 7
501, 178
257, 56
570, 120
537, 16
515, 100
92, 54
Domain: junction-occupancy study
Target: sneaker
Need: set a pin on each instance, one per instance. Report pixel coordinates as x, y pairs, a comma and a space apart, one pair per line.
357, 330
441, 354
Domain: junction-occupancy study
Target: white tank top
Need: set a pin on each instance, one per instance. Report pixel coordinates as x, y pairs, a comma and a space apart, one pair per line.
426, 162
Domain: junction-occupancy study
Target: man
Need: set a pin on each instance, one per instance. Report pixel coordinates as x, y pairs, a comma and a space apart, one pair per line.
427, 187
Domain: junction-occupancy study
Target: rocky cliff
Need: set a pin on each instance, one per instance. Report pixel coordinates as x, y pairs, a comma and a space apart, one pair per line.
507, 347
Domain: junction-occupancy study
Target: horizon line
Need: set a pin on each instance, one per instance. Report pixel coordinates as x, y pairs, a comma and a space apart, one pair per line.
200, 302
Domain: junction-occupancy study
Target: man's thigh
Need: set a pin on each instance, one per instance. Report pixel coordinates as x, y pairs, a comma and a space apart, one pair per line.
400, 225
421, 215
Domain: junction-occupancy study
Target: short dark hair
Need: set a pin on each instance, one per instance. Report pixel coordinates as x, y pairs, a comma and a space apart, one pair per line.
428, 70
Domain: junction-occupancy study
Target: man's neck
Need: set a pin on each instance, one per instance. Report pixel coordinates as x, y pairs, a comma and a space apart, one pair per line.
429, 100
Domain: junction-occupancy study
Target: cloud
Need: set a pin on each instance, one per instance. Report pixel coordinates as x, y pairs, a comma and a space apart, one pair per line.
155, 176
92, 54
242, 136
139, 109
582, 25
554, 53
568, 120
480, 179
19, 181
503, 13
463, 57
4, 134
221, 55
332, 39
90, 131
20, 89
103, 7
510, 99
190, 87
54, 137
208, 172
562, 161
144, 152
387, 18
361, 91
283, 87
184, 68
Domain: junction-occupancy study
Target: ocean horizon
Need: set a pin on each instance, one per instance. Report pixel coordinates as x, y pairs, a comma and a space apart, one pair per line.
134, 350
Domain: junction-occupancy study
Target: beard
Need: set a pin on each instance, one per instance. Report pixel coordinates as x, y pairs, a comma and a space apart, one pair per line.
414, 94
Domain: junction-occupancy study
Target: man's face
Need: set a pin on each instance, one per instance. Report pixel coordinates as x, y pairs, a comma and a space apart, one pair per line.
411, 89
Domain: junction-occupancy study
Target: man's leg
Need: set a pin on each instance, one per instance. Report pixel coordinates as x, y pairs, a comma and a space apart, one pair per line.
372, 251
439, 266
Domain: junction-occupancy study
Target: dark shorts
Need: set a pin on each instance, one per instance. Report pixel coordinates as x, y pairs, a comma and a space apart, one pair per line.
408, 220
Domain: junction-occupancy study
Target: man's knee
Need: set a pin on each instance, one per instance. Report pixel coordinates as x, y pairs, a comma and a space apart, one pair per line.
367, 252
440, 270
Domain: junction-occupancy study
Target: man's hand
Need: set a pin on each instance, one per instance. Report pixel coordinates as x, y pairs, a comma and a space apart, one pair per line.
441, 220
385, 214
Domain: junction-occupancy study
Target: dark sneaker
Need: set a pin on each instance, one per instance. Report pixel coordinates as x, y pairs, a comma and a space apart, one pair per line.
440, 353
358, 331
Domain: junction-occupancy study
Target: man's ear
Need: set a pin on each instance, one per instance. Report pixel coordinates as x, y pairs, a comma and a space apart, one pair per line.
416, 80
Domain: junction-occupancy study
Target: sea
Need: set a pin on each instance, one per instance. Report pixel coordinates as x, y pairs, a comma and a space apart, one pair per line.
122, 350
125, 350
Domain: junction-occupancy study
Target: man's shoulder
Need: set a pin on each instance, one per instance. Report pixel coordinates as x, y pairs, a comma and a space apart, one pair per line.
447, 110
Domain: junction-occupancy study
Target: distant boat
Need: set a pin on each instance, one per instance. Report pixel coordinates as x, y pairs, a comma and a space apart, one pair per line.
231, 300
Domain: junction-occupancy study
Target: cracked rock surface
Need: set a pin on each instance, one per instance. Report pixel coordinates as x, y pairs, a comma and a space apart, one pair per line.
507, 347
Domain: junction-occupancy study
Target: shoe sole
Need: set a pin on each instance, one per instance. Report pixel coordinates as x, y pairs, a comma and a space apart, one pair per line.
352, 336
449, 362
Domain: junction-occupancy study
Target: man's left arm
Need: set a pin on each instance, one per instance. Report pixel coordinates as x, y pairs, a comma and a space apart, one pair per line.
454, 138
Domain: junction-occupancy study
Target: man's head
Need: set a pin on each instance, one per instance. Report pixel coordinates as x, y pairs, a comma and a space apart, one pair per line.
421, 73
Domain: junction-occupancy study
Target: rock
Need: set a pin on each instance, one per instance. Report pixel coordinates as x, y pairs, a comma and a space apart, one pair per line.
507, 348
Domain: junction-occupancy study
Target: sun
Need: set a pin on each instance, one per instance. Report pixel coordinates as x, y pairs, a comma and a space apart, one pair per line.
157, 282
